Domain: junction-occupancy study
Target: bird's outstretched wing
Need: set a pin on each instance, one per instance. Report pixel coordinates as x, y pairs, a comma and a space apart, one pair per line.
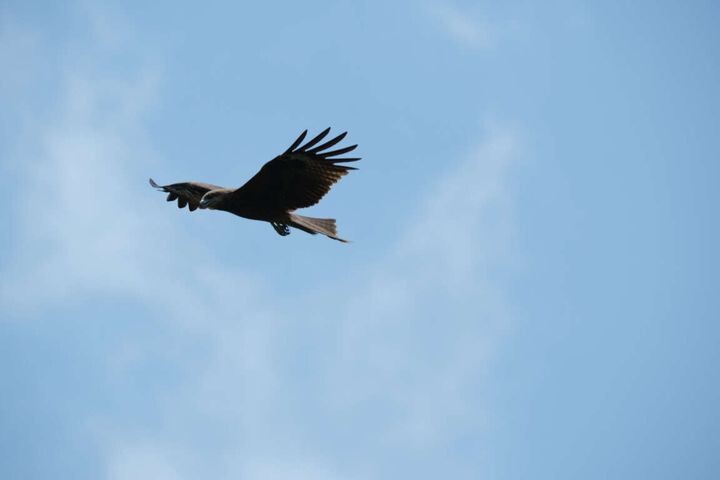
186, 193
299, 177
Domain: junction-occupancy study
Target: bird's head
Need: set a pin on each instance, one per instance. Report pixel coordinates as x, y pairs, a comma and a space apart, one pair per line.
212, 198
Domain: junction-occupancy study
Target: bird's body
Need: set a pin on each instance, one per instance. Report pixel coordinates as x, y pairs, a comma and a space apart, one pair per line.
297, 178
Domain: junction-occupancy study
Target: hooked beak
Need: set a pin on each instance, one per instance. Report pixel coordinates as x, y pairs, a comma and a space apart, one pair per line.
204, 202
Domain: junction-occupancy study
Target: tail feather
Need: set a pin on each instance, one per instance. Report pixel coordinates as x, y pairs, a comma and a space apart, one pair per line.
325, 226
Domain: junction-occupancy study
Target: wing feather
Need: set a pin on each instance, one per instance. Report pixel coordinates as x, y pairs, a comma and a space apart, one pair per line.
339, 151
297, 142
299, 177
187, 194
328, 144
315, 140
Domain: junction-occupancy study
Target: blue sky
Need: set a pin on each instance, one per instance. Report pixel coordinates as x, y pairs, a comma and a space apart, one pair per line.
531, 291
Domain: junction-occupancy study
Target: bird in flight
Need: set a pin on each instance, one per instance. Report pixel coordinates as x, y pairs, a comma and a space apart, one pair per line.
297, 178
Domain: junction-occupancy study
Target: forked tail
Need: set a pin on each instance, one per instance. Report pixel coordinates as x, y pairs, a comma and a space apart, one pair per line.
326, 226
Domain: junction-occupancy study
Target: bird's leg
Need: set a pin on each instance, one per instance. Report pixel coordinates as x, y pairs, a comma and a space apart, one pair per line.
281, 228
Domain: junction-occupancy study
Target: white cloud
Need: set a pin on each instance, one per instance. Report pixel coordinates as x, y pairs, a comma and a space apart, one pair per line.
413, 339
80, 228
279, 469
419, 334
467, 28
130, 462
480, 26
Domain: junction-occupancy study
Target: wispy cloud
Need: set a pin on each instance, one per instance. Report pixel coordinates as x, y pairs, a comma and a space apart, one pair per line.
418, 335
466, 27
479, 26
410, 345
142, 461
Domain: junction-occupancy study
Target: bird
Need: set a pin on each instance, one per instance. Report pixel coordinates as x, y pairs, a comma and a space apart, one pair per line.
297, 178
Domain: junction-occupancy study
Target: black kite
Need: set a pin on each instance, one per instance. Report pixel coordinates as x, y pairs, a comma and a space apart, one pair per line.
297, 178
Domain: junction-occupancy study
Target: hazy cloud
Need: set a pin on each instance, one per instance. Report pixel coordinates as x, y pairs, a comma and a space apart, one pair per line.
468, 30
474, 27
410, 344
429, 316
